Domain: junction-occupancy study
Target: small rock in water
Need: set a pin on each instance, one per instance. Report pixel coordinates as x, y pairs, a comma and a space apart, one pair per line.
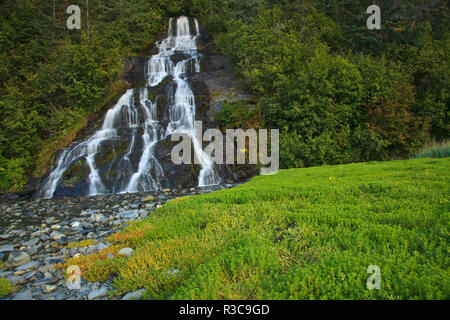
17, 259
125, 252
136, 295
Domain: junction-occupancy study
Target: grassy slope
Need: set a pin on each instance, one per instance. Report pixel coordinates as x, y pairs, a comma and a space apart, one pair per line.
301, 234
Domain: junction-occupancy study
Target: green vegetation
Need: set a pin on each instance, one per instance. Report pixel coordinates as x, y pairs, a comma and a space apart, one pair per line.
434, 150
304, 233
6, 288
81, 244
338, 92
96, 267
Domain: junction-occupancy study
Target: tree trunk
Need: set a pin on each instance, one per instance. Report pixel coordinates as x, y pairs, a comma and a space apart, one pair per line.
87, 19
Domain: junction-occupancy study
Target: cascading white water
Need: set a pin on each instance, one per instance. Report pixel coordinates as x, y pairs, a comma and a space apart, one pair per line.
182, 111
143, 176
125, 115
88, 149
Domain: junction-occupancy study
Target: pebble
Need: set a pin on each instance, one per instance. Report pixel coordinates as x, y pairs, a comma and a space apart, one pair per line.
48, 288
129, 214
24, 295
17, 258
28, 266
7, 248
98, 294
148, 199
136, 295
125, 252
55, 235
101, 246
15, 280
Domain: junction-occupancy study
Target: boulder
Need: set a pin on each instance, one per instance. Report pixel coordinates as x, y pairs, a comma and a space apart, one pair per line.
98, 293
17, 259
24, 295
136, 295
125, 252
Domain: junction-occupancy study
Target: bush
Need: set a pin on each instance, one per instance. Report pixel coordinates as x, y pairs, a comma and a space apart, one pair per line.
6, 288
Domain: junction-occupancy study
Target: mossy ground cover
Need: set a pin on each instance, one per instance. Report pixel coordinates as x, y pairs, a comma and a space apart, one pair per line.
6, 288
300, 234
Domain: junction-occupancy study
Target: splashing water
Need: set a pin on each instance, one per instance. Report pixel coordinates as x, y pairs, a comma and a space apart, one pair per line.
125, 114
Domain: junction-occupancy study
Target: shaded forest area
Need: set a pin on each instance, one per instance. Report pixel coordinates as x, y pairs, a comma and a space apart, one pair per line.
337, 91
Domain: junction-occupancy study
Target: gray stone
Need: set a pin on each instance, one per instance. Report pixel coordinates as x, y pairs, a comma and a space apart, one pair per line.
29, 266
48, 288
98, 217
5, 274
98, 294
32, 251
17, 259
15, 280
148, 199
132, 214
55, 235
75, 224
7, 248
32, 242
101, 246
173, 272
136, 295
86, 225
144, 214
125, 252
24, 295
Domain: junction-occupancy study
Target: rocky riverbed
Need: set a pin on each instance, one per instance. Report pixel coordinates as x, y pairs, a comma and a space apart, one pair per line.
35, 236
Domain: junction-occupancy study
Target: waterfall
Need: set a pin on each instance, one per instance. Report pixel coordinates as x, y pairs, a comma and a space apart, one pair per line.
124, 115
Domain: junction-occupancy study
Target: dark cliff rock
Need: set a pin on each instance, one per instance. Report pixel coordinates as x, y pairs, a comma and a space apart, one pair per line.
134, 70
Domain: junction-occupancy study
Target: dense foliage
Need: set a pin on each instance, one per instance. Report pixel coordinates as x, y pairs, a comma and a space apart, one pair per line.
337, 91
306, 233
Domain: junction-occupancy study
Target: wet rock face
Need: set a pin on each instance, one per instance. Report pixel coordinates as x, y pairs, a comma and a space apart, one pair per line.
134, 70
